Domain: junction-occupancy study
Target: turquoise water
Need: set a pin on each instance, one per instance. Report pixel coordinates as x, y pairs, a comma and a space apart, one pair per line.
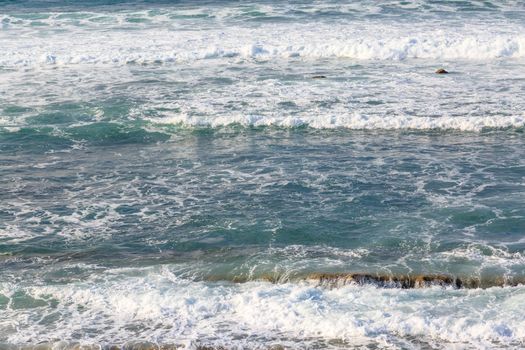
261, 174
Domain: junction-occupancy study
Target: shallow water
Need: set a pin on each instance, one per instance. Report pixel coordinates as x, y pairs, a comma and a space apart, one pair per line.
173, 173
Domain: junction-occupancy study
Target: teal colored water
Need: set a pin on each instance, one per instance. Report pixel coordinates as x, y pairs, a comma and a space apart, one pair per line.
208, 174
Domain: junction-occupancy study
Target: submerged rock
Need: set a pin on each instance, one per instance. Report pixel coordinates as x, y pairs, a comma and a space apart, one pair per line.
60, 345
319, 77
144, 345
334, 280
171, 347
276, 347
141, 345
425, 281
441, 71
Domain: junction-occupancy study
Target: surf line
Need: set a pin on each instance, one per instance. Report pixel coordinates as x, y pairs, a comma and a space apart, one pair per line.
336, 280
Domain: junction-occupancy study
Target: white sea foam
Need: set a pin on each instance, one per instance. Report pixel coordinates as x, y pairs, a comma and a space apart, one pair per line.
160, 307
273, 63
485, 256
164, 40
355, 121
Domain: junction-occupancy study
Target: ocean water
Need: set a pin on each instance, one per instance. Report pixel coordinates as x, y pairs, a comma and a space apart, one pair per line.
262, 175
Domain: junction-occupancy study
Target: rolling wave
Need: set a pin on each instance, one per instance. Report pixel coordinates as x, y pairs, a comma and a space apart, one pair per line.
162, 41
161, 307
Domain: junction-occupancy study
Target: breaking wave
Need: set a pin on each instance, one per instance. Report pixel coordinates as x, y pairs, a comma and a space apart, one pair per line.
122, 306
166, 42
355, 122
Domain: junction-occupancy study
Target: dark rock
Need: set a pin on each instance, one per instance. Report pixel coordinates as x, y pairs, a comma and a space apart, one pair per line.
333, 280
141, 346
319, 77
441, 71
171, 347
425, 281
276, 347
404, 281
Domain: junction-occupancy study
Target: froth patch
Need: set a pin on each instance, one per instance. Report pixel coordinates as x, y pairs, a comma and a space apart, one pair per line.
148, 44
353, 121
159, 309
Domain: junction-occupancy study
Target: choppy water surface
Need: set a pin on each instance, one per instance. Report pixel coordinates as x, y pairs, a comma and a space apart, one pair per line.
250, 175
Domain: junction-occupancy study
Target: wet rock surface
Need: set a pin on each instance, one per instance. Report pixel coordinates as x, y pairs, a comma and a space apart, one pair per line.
336, 279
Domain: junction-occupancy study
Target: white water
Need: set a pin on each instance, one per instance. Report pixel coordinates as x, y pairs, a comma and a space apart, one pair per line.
52, 54
167, 309
219, 66
154, 43
358, 122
